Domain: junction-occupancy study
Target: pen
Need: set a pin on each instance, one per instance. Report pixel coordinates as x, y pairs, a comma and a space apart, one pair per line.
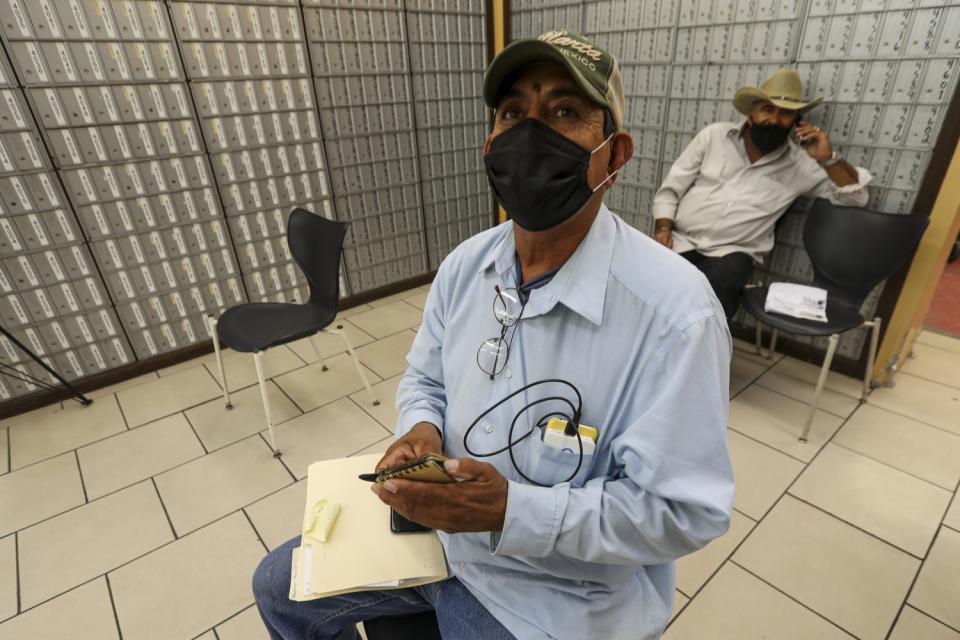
369, 477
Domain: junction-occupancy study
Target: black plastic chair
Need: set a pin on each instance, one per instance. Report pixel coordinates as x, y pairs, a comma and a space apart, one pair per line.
316, 245
851, 250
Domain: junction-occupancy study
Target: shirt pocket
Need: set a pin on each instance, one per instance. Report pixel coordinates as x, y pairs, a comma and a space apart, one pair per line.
550, 466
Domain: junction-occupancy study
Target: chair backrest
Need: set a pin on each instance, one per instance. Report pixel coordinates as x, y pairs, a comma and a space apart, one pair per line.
316, 244
854, 249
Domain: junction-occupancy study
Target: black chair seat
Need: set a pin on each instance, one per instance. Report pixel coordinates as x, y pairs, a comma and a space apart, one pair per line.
261, 325
840, 316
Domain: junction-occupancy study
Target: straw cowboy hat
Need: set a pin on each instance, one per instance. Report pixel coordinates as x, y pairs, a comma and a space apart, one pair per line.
783, 89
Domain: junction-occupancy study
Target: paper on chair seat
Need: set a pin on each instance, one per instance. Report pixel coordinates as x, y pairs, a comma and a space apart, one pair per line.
361, 552
797, 300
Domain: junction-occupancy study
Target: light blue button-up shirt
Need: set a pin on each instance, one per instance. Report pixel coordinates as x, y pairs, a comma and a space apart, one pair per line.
639, 332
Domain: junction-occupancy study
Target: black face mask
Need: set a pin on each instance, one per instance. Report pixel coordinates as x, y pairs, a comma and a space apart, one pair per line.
539, 175
768, 137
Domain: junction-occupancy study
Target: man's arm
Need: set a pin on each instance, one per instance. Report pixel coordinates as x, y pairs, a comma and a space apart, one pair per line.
421, 397
681, 176
674, 492
846, 184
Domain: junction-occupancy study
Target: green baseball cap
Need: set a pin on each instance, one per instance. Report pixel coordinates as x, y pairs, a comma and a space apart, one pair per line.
595, 71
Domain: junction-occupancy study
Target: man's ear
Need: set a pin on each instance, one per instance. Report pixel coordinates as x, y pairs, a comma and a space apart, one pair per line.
486, 145
621, 151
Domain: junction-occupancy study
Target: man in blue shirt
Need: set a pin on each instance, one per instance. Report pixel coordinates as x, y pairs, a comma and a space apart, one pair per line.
565, 305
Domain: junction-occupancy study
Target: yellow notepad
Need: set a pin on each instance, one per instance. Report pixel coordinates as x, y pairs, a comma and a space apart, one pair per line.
361, 552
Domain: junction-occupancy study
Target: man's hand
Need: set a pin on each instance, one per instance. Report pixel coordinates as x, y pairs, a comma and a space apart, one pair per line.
663, 232
664, 237
478, 502
814, 141
422, 439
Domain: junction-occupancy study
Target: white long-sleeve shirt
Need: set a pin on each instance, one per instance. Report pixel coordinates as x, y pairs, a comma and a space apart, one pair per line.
721, 203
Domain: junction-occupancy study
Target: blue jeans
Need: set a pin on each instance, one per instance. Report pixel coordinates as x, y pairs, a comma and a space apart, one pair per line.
460, 614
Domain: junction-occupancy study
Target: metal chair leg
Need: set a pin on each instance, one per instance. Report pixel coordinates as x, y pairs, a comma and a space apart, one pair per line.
759, 343
258, 363
356, 361
773, 343
212, 329
323, 364
874, 339
824, 370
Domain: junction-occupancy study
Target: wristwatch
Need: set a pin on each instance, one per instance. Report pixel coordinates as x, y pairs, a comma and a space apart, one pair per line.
832, 160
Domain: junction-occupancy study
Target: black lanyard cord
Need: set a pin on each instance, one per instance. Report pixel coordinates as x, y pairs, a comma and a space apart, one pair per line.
573, 419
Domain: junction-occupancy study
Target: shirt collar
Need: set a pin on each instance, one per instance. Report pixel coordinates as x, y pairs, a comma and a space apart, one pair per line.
580, 284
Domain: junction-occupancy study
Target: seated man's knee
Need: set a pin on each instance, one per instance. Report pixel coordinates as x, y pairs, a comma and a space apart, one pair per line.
271, 579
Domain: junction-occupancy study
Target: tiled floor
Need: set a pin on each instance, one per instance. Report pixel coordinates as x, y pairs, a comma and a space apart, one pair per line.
144, 515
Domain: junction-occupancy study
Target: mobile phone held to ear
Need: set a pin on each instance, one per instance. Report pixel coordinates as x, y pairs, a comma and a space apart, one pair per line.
399, 524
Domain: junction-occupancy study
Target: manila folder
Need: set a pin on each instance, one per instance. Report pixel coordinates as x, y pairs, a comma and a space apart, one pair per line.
361, 552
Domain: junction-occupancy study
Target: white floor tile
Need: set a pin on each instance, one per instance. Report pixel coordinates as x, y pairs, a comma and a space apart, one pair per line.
761, 474
840, 395
246, 625
939, 340
388, 319
396, 297
743, 371
39, 491
679, 602
125, 384
190, 585
311, 387
881, 500
937, 591
747, 350
418, 300
921, 399
221, 482
778, 421
31, 416
8, 578
903, 443
388, 357
914, 625
952, 518
333, 431
386, 392
81, 614
241, 370
168, 395
737, 606
51, 434
377, 447
65, 551
352, 311
192, 363
846, 575
934, 363
694, 570
279, 516
329, 344
218, 426
137, 454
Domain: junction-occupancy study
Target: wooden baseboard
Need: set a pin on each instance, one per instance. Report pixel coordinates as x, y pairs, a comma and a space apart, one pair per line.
22, 404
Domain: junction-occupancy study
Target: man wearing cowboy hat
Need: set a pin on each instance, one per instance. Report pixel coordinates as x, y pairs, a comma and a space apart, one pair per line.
718, 204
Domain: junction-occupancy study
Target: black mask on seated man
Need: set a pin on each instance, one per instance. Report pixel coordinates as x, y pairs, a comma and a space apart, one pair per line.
768, 137
539, 175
